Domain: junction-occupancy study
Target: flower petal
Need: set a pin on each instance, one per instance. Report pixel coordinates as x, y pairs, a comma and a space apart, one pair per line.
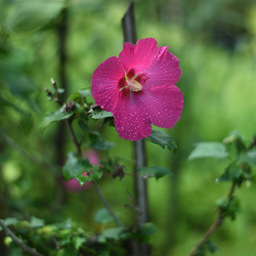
105, 88
164, 69
138, 57
162, 104
131, 123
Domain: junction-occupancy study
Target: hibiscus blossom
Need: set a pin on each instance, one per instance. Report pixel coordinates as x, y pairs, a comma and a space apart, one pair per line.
139, 89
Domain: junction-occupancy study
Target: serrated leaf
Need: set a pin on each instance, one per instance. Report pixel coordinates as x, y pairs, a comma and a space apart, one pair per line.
54, 117
99, 143
36, 222
94, 174
162, 139
209, 149
153, 171
75, 166
103, 216
100, 114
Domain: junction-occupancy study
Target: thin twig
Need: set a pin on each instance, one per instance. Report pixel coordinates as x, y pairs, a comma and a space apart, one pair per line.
215, 224
18, 241
73, 136
79, 151
104, 201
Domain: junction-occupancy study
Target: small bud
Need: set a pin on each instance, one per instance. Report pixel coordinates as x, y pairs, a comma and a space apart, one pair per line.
69, 106
118, 171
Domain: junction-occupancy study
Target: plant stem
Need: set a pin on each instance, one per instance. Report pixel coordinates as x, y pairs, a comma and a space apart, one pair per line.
79, 151
73, 137
18, 241
215, 224
104, 201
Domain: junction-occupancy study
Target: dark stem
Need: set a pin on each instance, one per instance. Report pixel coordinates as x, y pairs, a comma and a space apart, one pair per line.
129, 32
104, 201
73, 137
79, 151
18, 241
215, 225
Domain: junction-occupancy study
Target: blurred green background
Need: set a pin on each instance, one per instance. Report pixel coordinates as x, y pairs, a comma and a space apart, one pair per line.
215, 43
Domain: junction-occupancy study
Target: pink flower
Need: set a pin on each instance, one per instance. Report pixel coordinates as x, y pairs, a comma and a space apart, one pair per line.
139, 89
73, 185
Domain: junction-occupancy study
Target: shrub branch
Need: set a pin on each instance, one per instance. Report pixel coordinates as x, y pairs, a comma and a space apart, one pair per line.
79, 151
18, 241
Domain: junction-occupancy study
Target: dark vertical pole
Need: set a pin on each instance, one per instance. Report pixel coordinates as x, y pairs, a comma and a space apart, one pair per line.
129, 30
62, 30
60, 136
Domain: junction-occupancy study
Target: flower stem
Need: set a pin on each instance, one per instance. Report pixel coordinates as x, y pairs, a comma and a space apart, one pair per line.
18, 241
79, 151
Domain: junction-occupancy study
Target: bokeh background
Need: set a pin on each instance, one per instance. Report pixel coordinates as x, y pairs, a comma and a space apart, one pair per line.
215, 42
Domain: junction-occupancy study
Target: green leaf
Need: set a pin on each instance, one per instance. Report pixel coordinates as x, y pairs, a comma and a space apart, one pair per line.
75, 166
79, 94
61, 90
103, 216
113, 232
99, 113
209, 149
248, 157
32, 15
94, 174
109, 121
83, 125
10, 221
162, 139
35, 222
54, 117
148, 229
211, 246
78, 241
98, 143
236, 139
232, 172
154, 171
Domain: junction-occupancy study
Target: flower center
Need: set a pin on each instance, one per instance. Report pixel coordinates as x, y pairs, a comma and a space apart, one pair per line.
134, 85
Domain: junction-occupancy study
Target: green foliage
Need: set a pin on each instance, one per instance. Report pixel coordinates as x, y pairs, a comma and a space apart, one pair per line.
54, 117
99, 143
153, 171
236, 174
103, 216
248, 157
228, 207
143, 232
236, 139
99, 113
75, 166
79, 96
207, 246
209, 149
29, 16
162, 139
